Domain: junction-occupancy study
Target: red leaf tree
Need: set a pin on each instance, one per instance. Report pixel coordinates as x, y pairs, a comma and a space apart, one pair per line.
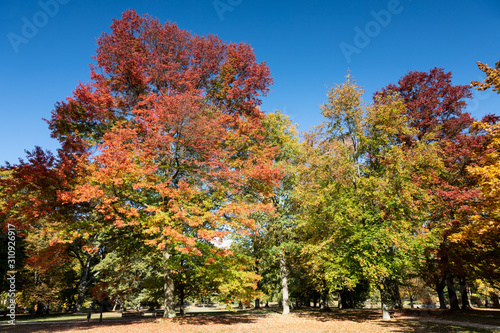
436, 109
168, 138
32, 202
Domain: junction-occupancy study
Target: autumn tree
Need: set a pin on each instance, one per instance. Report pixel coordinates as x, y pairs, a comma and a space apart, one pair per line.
435, 107
364, 205
167, 138
32, 202
481, 233
278, 238
492, 77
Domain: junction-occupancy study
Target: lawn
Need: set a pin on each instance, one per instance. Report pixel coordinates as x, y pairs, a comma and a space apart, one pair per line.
310, 320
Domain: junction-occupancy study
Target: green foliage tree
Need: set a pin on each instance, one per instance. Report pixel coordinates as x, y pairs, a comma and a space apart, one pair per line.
364, 191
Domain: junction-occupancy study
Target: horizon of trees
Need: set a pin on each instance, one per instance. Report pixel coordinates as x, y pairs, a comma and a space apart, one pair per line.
165, 154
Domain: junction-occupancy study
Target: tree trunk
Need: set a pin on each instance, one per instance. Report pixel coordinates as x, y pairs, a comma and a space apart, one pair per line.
85, 280
440, 291
257, 303
181, 299
39, 308
284, 283
324, 296
344, 302
452, 295
494, 299
464, 291
168, 286
411, 295
384, 305
396, 295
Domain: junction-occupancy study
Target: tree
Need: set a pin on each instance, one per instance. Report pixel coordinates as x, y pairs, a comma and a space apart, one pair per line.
33, 203
435, 108
280, 228
481, 234
492, 77
433, 104
364, 191
168, 138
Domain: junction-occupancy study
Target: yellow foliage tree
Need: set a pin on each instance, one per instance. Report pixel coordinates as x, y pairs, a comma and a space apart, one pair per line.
483, 232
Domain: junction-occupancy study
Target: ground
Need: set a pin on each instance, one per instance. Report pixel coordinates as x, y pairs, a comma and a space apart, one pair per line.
310, 320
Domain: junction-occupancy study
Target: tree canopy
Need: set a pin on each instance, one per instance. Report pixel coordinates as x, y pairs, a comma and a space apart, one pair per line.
172, 184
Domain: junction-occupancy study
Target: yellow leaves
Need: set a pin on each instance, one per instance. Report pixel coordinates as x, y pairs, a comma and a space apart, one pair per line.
488, 172
492, 77
483, 229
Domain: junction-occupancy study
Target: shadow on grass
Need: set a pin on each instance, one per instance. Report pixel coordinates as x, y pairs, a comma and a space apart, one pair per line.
255, 316
478, 316
415, 326
71, 325
407, 325
122, 323
356, 315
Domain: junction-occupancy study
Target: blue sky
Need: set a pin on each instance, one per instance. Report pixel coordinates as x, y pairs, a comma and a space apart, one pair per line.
308, 45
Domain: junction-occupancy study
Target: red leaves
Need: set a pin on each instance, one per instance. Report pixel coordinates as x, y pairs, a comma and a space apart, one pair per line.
433, 103
44, 260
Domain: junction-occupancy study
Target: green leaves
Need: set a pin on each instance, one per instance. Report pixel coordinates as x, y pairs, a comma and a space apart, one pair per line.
360, 189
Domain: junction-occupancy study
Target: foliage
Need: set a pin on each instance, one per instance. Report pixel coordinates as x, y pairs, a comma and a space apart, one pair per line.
166, 155
364, 190
435, 108
492, 77
167, 139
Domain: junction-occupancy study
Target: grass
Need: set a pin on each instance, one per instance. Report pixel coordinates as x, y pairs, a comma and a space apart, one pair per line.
27, 318
269, 320
478, 316
65, 317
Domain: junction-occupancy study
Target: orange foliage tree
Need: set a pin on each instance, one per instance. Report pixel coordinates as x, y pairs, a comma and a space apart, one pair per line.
168, 139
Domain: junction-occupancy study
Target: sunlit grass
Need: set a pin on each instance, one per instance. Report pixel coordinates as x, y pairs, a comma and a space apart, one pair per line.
68, 316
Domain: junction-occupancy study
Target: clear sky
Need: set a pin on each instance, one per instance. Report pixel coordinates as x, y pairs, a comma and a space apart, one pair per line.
46, 49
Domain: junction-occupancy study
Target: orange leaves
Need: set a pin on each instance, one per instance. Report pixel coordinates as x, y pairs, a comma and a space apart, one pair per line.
85, 193
167, 137
118, 222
